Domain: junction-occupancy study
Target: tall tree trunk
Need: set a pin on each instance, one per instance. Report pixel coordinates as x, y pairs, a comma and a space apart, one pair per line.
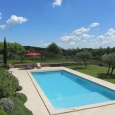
109, 68
5, 52
85, 64
112, 71
113, 67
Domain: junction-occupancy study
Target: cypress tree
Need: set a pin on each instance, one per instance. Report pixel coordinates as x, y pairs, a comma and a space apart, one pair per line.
5, 52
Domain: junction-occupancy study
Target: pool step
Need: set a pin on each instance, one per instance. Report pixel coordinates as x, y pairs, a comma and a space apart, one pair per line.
78, 100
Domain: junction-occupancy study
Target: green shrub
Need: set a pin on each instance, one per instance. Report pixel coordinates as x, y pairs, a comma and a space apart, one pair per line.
21, 96
7, 104
16, 83
2, 112
19, 108
19, 88
5, 66
100, 64
7, 86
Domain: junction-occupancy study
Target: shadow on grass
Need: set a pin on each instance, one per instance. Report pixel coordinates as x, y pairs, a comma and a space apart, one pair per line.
78, 68
19, 62
105, 76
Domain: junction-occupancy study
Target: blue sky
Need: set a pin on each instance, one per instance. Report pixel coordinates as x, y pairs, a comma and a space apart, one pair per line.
68, 23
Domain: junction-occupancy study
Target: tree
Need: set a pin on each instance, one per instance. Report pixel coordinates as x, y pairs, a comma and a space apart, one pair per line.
110, 60
108, 50
32, 49
84, 56
46, 54
1, 47
14, 47
113, 67
22, 55
53, 48
5, 52
107, 59
113, 63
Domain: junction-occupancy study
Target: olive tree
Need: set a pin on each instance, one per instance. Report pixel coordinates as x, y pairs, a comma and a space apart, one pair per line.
84, 56
22, 55
110, 60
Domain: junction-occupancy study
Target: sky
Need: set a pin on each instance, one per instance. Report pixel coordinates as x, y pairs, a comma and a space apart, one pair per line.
68, 23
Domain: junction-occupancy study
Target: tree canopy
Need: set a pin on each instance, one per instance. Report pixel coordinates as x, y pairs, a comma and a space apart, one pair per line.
110, 60
53, 48
84, 56
14, 47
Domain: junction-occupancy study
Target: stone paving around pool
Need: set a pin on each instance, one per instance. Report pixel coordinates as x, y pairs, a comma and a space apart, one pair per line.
37, 106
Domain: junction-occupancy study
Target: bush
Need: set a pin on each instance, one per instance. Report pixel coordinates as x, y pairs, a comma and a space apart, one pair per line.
7, 87
7, 104
21, 96
2, 112
100, 64
5, 66
19, 108
16, 83
19, 88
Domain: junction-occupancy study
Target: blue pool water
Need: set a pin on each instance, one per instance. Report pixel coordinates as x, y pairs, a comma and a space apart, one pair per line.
66, 90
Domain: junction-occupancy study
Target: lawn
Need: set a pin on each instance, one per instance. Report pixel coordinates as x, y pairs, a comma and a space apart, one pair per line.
95, 71
32, 60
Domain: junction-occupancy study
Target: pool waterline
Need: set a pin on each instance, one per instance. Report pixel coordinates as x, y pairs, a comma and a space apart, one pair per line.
74, 108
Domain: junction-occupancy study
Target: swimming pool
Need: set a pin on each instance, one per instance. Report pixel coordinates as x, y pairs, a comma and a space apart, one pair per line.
65, 90
82, 79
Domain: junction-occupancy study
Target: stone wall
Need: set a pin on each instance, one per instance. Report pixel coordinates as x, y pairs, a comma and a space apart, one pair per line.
50, 64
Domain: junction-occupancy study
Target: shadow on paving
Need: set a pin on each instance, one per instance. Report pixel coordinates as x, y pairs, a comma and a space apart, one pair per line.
105, 76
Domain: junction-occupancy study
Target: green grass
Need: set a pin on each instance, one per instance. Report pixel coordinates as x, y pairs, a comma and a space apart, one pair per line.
31, 60
95, 71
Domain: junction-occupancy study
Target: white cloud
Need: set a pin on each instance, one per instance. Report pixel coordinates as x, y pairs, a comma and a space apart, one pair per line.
3, 27
100, 37
110, 36
81, 30
111, 32
43, 43
68, 44
72, 43
67, 38
57, 3
16, 20
107, 39
0, 15
82, 38
94, 24
84, 41
13, 20
77, 36
86, 36
46, 44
